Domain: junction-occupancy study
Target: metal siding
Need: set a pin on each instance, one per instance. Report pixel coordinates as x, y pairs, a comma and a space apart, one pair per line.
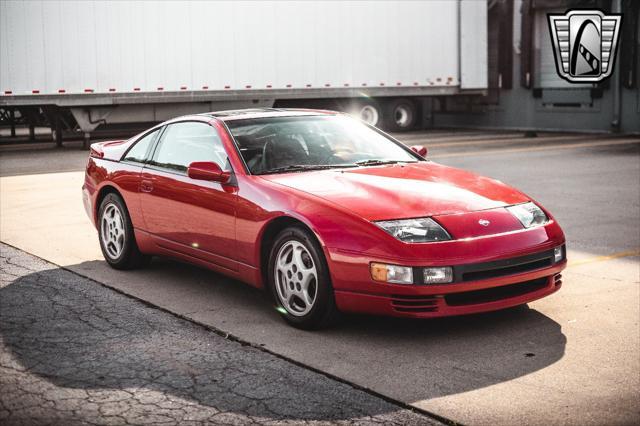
59, 44
13, 33
294, 57
52, 46
4, 48
73, 78
473, 44
108, 61
86, 44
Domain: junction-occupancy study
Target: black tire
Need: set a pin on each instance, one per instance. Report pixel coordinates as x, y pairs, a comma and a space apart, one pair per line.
129, 257
400, 115
370, 112
324, 312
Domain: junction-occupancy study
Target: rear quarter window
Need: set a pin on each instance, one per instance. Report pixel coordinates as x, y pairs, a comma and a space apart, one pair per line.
139, 152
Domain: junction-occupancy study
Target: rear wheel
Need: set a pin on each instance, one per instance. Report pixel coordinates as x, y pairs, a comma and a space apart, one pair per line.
299, 280
117, 239
400, 115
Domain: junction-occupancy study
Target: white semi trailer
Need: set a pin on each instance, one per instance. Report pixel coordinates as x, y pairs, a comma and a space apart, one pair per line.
80, 65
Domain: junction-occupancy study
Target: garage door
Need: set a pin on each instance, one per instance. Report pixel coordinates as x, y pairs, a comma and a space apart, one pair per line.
546, 74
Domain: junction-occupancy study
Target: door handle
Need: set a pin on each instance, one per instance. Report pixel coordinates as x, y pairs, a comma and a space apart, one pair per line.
146, 186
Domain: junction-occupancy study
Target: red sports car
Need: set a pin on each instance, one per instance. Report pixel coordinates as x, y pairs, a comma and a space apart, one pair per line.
327, 213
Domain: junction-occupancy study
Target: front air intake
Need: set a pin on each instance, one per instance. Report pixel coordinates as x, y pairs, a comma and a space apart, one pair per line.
414, 304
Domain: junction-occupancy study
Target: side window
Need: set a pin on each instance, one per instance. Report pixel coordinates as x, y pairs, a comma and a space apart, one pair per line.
184, 143
138, 153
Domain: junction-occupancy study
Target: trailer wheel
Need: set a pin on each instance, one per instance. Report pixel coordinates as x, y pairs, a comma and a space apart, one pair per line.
401, 115
370, 113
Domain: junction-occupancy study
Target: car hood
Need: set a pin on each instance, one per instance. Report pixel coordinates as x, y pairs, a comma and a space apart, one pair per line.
403, 190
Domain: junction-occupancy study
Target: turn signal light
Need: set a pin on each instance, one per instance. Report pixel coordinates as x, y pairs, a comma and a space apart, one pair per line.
392, 273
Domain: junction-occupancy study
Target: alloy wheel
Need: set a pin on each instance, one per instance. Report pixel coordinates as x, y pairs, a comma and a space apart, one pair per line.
296, 278
112, 231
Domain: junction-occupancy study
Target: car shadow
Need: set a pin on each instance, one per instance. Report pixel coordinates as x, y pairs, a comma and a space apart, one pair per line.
76, 335
410, 360
431, 358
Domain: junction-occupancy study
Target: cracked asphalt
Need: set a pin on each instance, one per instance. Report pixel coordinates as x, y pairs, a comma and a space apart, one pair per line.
75, 352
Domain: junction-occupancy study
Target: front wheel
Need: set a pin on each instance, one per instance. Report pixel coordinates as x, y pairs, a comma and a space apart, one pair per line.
117, 239
299, 280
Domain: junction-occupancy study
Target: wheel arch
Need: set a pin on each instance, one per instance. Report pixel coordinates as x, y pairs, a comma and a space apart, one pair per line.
269, 233
104, 190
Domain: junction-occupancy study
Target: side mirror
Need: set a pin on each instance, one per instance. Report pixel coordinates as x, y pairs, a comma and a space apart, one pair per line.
207, 170
420, 150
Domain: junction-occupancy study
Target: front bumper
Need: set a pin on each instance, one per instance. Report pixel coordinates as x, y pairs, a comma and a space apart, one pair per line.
440, 304
486, 278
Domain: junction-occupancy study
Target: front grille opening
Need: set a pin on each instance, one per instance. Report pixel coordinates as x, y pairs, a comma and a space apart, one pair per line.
402, 303
506, 270
496, 293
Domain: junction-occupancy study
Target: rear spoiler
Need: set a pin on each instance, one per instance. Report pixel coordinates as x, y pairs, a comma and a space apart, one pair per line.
108, 150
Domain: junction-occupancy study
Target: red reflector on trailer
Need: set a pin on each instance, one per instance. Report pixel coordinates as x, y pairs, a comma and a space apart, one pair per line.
248, 86
227, 87
268, 86
8, 92
111, 89
415, 83
35, 91
327, 85
61, 91
205, 87
183, 87
399, 83
136, 89
160, 88
288, 85
88, 90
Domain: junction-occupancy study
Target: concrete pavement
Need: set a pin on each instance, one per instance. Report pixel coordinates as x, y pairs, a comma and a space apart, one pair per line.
571, 358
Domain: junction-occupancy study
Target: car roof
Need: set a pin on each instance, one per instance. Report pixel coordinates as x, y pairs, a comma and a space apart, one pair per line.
250, 113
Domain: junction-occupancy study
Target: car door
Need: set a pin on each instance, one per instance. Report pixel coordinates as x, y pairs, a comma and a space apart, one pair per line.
189, 216
128, 178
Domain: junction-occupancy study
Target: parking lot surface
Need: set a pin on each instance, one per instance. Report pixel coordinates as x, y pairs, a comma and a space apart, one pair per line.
571, 358
74, 352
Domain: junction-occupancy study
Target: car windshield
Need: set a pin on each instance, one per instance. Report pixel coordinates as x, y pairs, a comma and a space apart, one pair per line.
286, 144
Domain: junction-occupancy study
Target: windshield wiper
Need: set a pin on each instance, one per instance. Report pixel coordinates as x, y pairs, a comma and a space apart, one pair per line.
375, 162
299, 167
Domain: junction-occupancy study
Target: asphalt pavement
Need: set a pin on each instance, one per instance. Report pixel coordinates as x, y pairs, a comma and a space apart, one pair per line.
74, 352
571, 358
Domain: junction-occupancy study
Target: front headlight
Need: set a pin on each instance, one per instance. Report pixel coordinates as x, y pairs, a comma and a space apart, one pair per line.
420, 230
529, 214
